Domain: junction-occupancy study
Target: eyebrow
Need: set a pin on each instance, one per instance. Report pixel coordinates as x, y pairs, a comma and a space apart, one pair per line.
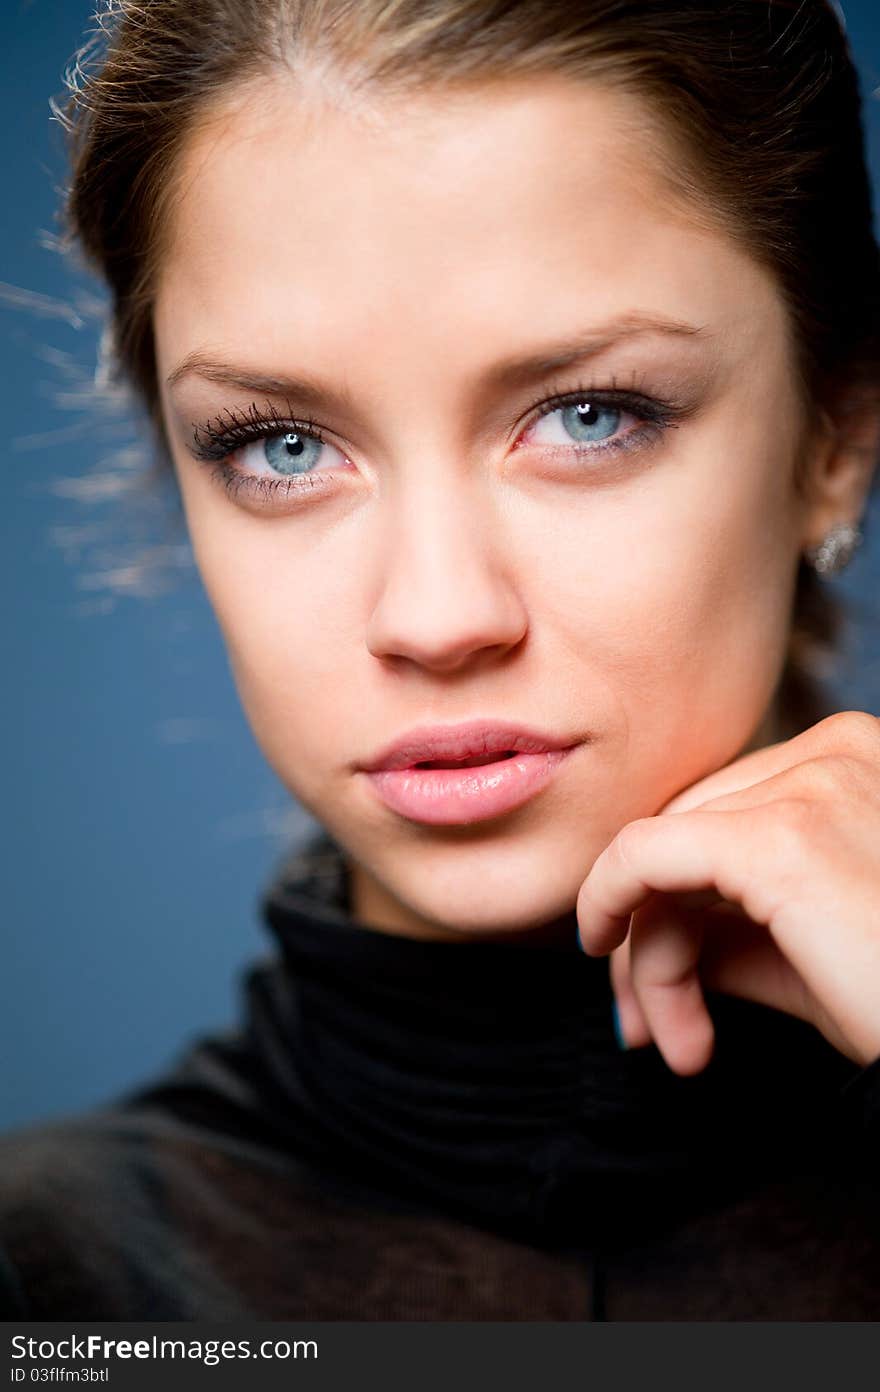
512, 371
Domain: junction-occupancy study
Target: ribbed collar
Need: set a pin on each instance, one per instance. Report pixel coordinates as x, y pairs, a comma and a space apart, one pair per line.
484, 1079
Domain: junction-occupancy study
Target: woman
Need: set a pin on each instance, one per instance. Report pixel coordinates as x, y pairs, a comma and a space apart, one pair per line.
518, 366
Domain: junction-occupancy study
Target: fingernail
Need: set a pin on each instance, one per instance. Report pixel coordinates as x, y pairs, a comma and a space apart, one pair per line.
618, 1032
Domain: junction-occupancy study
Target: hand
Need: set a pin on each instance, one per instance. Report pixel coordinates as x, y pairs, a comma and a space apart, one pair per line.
761, 881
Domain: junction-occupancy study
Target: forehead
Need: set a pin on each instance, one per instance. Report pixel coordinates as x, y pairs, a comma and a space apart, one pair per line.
457, 216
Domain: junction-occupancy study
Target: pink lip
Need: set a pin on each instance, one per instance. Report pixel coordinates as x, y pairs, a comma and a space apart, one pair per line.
475, 737
451, 796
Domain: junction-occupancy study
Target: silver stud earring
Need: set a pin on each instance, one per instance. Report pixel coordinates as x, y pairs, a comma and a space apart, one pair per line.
835, 550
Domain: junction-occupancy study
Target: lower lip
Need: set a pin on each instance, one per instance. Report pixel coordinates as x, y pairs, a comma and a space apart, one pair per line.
451, 796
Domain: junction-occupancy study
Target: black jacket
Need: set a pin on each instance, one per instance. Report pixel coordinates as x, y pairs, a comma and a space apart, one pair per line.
411, 1130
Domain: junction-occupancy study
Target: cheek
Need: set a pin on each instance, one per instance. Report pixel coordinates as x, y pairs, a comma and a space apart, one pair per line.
282, 610
690, 585
287, 652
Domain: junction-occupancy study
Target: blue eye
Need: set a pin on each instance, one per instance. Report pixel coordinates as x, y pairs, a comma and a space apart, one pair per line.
291, 453
592, 424
585, 421
297, 455
588, 422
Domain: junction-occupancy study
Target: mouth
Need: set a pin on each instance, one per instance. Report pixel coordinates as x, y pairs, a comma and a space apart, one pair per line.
447, 775
447, 792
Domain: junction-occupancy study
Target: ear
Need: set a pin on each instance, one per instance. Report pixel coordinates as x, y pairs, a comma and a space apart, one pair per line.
839, 462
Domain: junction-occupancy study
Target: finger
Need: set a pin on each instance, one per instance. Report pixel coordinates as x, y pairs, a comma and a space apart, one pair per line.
737, 958
633, 1025
696, 851
634, 1028
665, 948
740, 958
809, 777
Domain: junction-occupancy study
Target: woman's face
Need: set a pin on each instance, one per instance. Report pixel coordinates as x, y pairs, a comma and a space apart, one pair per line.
457, 547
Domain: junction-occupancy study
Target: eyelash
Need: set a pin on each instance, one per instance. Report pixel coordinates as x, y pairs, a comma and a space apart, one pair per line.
231, 431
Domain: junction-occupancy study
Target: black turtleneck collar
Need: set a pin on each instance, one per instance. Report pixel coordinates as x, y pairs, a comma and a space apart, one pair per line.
483, 1079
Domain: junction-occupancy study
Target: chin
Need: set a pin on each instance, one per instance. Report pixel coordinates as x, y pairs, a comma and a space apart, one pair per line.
492, 901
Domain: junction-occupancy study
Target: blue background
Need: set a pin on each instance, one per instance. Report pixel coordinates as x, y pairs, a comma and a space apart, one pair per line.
139, 819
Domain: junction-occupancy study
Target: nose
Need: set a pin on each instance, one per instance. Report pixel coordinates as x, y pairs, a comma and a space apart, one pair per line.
446, 597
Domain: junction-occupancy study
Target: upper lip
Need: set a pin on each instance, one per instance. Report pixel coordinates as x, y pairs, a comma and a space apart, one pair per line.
429, 742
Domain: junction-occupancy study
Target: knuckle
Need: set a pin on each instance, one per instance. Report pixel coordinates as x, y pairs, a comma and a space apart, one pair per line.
794, 815
775, 857
854, 774
826, 774
858, 728
788, 825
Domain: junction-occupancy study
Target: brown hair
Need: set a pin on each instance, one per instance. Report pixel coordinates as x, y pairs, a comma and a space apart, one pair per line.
760, 98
